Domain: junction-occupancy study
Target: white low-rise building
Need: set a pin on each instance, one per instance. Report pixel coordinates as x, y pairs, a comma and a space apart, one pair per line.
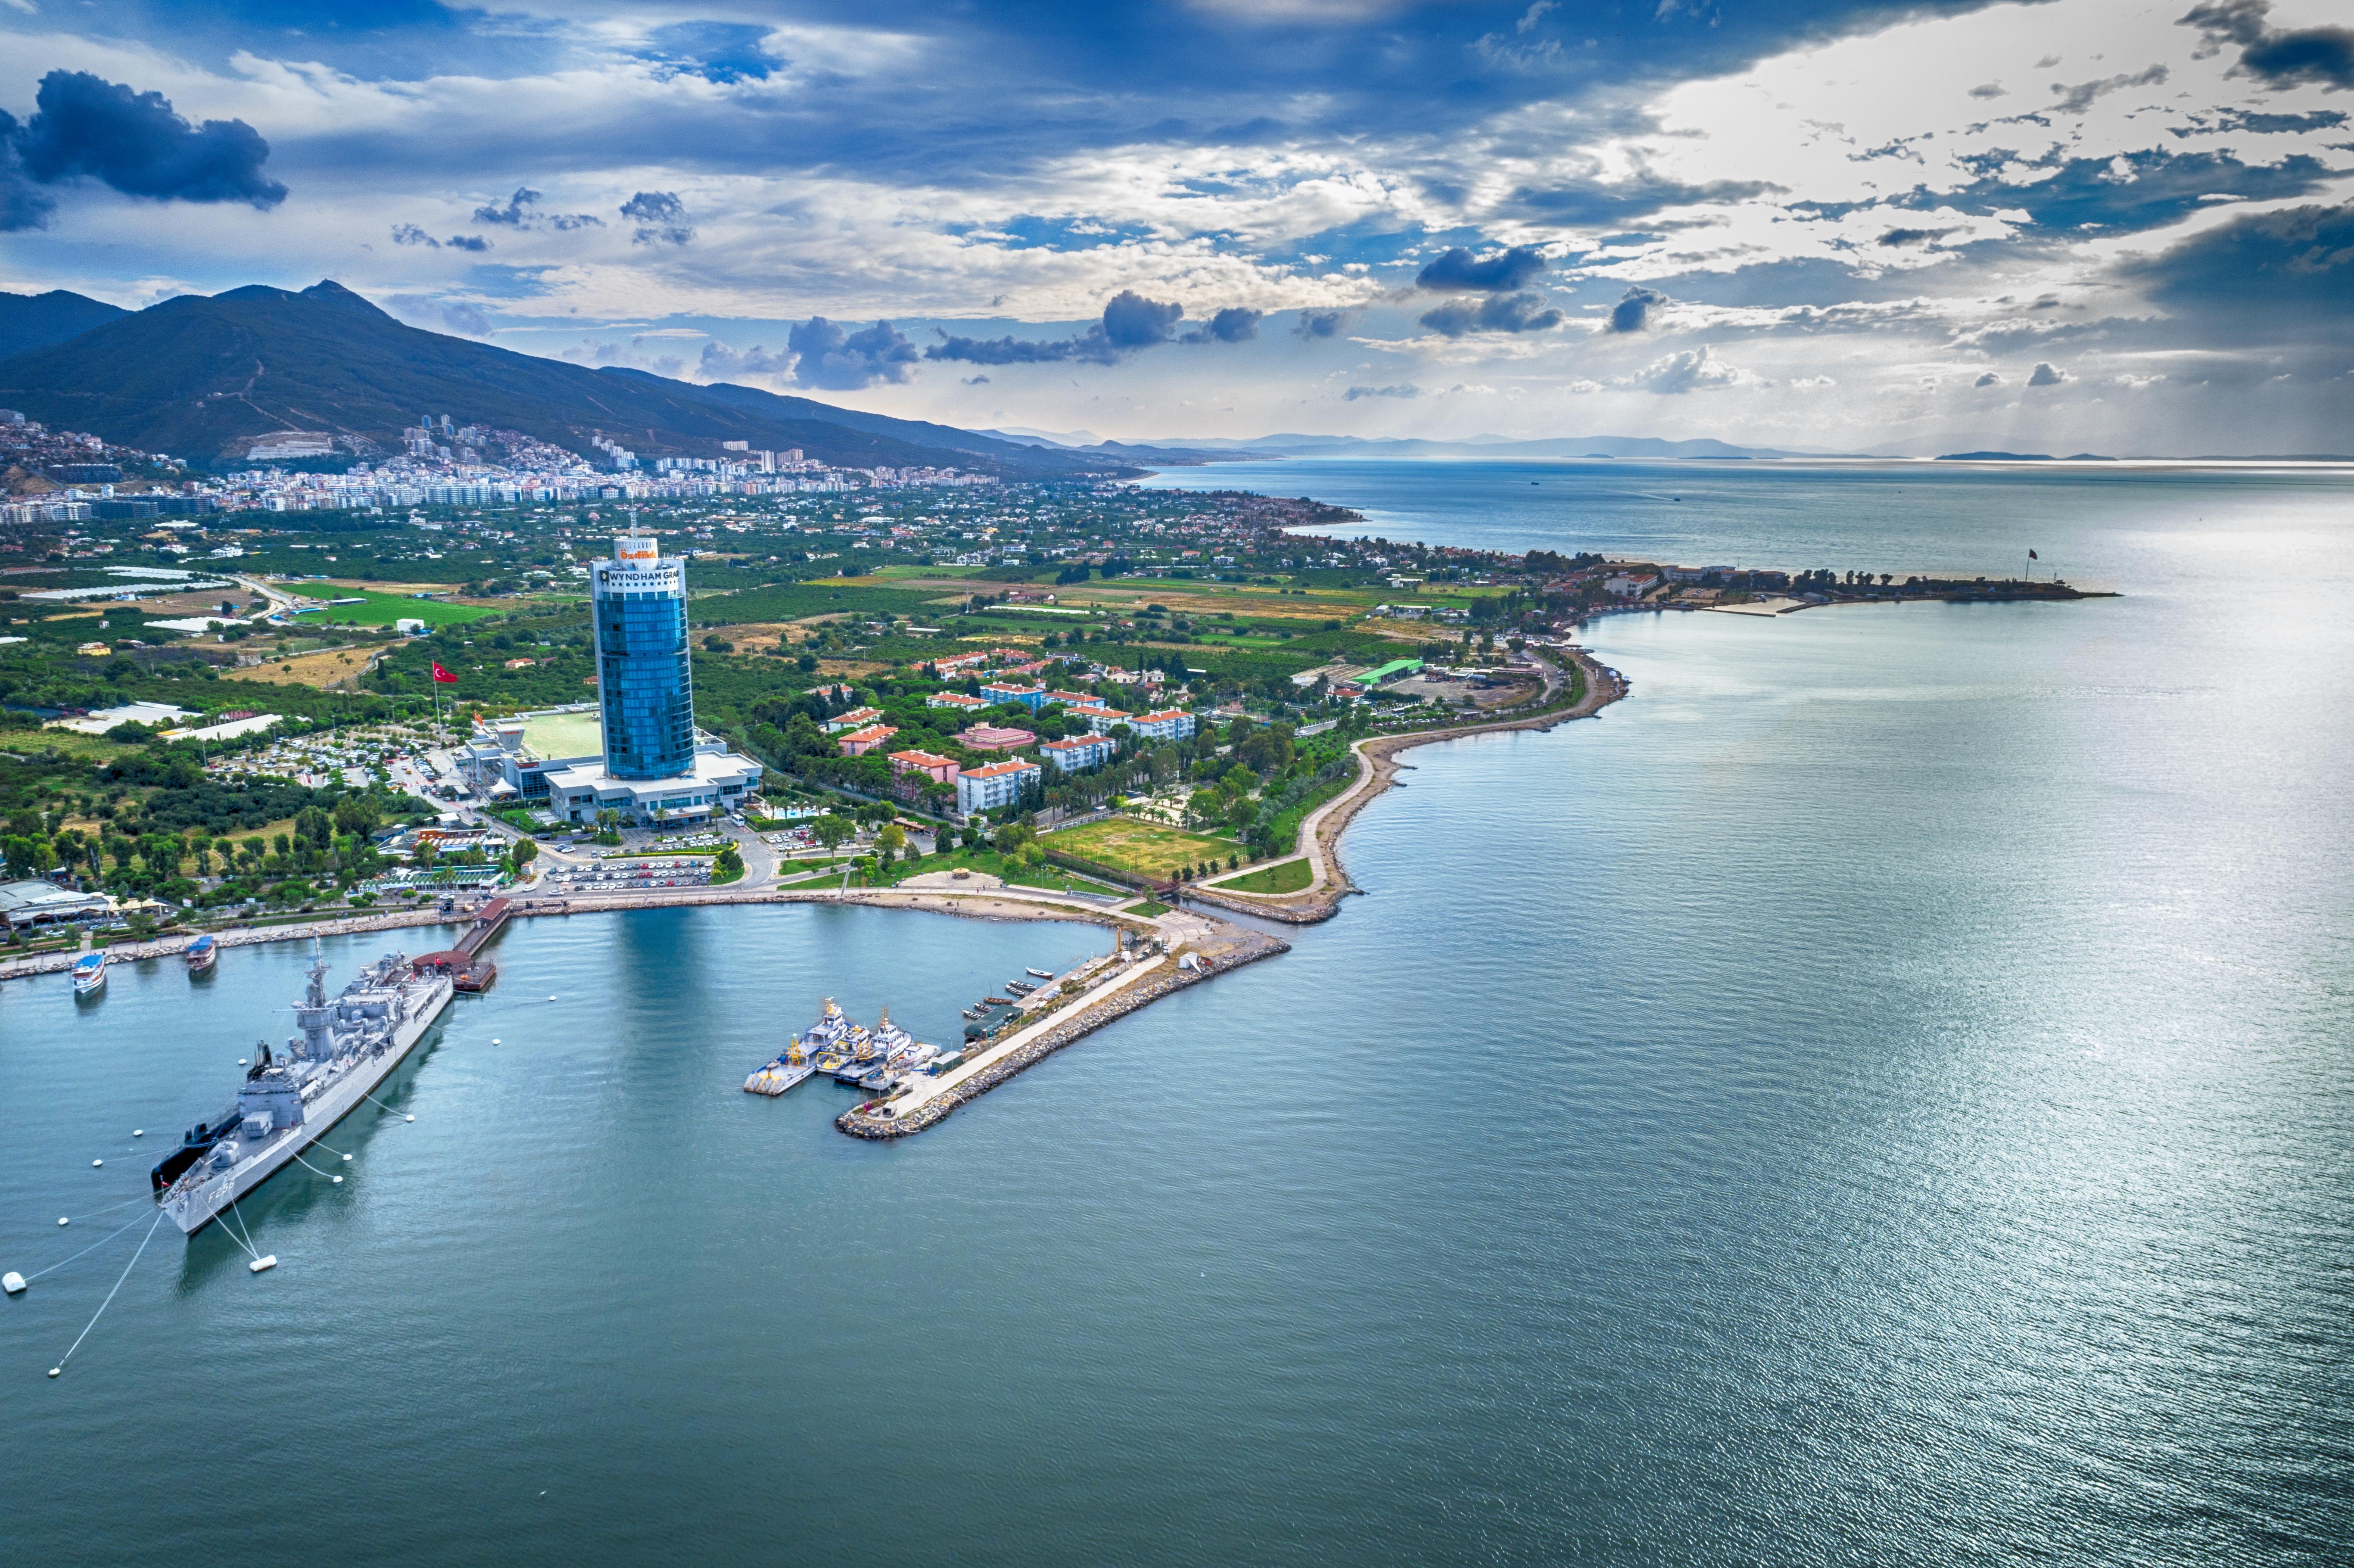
1077, 752
1169, 724
999, 785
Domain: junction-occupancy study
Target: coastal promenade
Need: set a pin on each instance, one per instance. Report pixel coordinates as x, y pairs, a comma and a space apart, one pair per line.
1377, 770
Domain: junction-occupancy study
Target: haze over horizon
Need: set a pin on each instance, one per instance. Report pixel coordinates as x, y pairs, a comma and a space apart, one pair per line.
2062, 226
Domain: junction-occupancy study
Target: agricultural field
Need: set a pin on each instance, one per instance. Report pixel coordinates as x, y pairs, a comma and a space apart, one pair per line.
1142, 849
325, 668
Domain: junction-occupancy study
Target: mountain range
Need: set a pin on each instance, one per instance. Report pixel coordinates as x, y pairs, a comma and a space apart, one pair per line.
200, 376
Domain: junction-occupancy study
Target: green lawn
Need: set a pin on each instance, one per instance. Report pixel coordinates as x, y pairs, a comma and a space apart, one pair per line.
1145, 849
384, 609
1283, 876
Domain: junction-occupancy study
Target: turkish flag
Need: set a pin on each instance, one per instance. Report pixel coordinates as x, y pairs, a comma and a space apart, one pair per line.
441, 675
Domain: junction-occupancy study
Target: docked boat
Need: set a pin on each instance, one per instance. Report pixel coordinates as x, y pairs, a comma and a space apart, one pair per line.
791, 1067
289, 1100
201, 955
1020, 988
1040, 974
880, 1080
89, 973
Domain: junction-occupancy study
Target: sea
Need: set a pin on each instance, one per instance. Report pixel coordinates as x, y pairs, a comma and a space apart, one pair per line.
1883, 1093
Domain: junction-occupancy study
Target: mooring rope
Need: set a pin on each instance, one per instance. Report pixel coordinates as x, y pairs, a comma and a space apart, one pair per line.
110, 1297
84, 1251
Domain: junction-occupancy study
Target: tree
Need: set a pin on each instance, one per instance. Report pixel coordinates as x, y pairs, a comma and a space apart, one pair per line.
727, 864
831, 829
523, 853
893, 837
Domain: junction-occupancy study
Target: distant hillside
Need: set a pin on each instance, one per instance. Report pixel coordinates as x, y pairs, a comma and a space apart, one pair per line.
1290, 444
36, 321
200, 378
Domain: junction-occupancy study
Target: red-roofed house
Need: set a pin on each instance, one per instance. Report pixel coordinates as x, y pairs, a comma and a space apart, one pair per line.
990, 738
858, 742
944, 770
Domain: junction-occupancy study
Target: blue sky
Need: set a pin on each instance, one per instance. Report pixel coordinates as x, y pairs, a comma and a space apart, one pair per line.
2057, 226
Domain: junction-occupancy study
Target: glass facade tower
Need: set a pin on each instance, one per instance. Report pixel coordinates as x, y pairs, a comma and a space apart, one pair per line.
638, 608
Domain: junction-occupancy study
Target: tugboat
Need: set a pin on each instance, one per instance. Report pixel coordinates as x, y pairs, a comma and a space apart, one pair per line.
201, 955
89, 973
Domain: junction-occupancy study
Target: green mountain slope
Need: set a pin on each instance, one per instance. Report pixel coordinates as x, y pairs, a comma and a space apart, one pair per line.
36, 321
200, 378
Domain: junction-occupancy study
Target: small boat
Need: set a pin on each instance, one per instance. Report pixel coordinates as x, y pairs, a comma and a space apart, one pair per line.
1040, 974
973, 1012
89, 973
202, 954
1020, 988
997, 1001
880, 1080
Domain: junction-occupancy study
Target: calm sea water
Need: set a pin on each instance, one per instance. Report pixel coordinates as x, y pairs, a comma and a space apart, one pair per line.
1881, 1094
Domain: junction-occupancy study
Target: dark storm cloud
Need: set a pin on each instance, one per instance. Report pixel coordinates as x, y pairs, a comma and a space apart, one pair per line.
1130, 323
1319, 323
22, 205
660, 218
826, 355
1232, 324
2282, 58
2269, 278
1457, 272
136, 143
1499, 313
1633, 311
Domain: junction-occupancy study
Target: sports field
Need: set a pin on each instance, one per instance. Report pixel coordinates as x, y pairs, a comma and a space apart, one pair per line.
384, 609
1147, 849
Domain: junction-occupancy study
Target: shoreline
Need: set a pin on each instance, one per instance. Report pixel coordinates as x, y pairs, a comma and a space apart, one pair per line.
1377, 771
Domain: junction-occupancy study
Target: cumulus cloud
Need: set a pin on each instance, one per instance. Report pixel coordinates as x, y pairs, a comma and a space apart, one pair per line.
1991, 378
1457, 271
2282, 58
1811, 383
84, 126
1989, 89
1502, 313
2077, 99
1232, 324
1898, 238
1319, 323
520, 211
976, 381
1132, 320
721, 362
826, 355
468, 319
660, 218
1689, 370
1633, 311
2047, 374
410, 234
1403, 390
1130, 323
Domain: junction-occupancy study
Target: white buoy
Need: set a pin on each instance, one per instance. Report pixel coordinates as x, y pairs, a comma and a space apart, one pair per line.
495, 1039
551, 998
54, 1370
63, 1220
409, 1118
347, 1159
241, 1061
138, 1132
258, 1264
96, 1163
13, 1283
336, 1180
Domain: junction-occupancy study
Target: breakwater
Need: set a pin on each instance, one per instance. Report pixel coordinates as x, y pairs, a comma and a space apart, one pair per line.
1234, 947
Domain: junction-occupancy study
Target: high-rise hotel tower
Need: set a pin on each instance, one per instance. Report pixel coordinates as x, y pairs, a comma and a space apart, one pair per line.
645, 684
